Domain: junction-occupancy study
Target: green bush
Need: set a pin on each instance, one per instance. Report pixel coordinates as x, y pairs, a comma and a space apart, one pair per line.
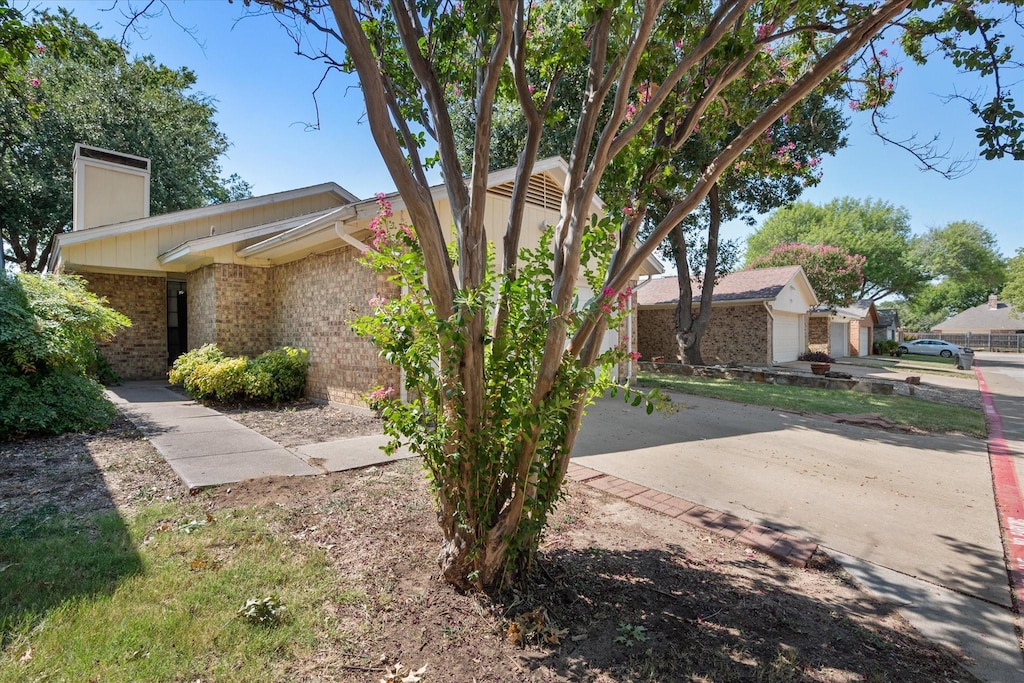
58, 402
886, 347
278, 375
275, 376
49, 326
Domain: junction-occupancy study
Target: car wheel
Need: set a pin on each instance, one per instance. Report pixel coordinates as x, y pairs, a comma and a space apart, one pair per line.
903, 349
946, 353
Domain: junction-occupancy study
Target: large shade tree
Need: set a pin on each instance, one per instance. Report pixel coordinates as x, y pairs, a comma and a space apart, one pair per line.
95, 94
497, 445
964, 266
876, 230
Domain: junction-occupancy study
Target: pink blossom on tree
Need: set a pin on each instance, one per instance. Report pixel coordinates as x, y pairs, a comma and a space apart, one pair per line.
834, 273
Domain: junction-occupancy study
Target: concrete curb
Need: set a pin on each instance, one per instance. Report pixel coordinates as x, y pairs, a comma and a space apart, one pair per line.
778, 544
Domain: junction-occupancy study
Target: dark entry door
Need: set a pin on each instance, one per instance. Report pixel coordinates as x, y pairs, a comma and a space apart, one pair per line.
177, 320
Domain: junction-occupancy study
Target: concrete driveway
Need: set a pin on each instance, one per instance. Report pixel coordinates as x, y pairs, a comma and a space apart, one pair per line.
911, 517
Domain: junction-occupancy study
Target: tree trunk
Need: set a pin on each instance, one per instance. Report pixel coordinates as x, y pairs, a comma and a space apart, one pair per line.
690, 328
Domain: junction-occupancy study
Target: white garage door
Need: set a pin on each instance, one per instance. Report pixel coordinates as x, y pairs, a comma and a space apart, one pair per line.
786, 336
839, 340
865, 349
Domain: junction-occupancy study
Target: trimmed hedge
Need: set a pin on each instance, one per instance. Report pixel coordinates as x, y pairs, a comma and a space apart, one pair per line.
272, 377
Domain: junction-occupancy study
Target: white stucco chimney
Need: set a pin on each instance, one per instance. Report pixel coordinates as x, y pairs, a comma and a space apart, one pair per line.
109, 187
993, 302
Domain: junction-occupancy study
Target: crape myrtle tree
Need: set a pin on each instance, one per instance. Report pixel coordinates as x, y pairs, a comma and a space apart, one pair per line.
497, 445
772, 172
93, 93
835, 274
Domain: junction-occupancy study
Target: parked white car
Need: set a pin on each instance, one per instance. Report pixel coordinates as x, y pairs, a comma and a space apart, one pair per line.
931, 347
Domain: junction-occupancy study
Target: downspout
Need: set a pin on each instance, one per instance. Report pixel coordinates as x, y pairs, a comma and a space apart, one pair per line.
771, 333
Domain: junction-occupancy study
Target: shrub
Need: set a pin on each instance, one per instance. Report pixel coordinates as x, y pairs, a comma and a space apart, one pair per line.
59, 401
49, 326
817, 357
887, 347
275, 376
278, 375
185, 365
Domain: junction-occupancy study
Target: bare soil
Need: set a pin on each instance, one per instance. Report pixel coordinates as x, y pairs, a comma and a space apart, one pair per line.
620, 593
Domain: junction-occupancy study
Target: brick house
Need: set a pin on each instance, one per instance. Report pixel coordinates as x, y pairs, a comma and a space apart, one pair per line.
759, 317
269, 271
842, 331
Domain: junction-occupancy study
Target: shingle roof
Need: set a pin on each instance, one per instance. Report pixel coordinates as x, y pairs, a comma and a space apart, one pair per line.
888, 317
982, 319
761, 284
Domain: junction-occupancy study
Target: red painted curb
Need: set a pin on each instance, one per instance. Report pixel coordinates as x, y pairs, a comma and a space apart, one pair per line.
1009, 501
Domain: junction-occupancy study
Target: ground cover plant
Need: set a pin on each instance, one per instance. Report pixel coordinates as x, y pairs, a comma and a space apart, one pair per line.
151, 583
912, 412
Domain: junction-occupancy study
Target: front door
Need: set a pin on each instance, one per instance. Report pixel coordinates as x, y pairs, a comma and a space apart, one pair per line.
177, 320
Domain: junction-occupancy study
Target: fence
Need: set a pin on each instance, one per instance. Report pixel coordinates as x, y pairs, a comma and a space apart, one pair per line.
979, 341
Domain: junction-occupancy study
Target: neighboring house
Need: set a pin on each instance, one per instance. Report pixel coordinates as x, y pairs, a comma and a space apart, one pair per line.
842, 331
993, 317
758, 317
251, 275
888, 326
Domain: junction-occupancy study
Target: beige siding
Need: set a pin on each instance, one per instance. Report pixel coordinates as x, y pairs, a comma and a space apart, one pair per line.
140, 250
113, 196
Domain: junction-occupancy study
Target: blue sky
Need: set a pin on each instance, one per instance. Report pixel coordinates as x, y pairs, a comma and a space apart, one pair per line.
263, 94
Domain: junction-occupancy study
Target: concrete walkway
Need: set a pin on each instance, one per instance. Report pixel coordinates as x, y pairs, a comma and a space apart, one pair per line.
206, 448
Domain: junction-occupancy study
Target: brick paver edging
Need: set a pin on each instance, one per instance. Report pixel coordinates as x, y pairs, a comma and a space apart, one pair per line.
775, 543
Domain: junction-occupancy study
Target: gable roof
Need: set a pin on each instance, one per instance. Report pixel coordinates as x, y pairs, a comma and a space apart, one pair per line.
888, 317
760, 284
859, 310
982, 318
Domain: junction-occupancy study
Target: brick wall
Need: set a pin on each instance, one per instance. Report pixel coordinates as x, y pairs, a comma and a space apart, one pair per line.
314, 301
740, 334
140, 351
855, 328
656, 334
202, 307
817, 333
243, 309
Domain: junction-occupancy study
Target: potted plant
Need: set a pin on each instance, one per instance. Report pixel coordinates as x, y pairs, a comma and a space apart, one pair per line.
820, 361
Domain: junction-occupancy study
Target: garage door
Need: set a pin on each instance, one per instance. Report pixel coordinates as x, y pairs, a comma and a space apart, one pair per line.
839, 340
786, 336
865, 348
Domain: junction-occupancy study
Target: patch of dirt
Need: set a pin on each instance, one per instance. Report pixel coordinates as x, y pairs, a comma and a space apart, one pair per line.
304, 422
84, 473
630, 595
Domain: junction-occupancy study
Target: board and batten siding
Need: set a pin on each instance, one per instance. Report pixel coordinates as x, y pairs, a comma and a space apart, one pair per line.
140, 250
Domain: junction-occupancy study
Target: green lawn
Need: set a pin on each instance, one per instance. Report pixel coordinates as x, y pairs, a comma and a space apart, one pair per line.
156, 597
926, 415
